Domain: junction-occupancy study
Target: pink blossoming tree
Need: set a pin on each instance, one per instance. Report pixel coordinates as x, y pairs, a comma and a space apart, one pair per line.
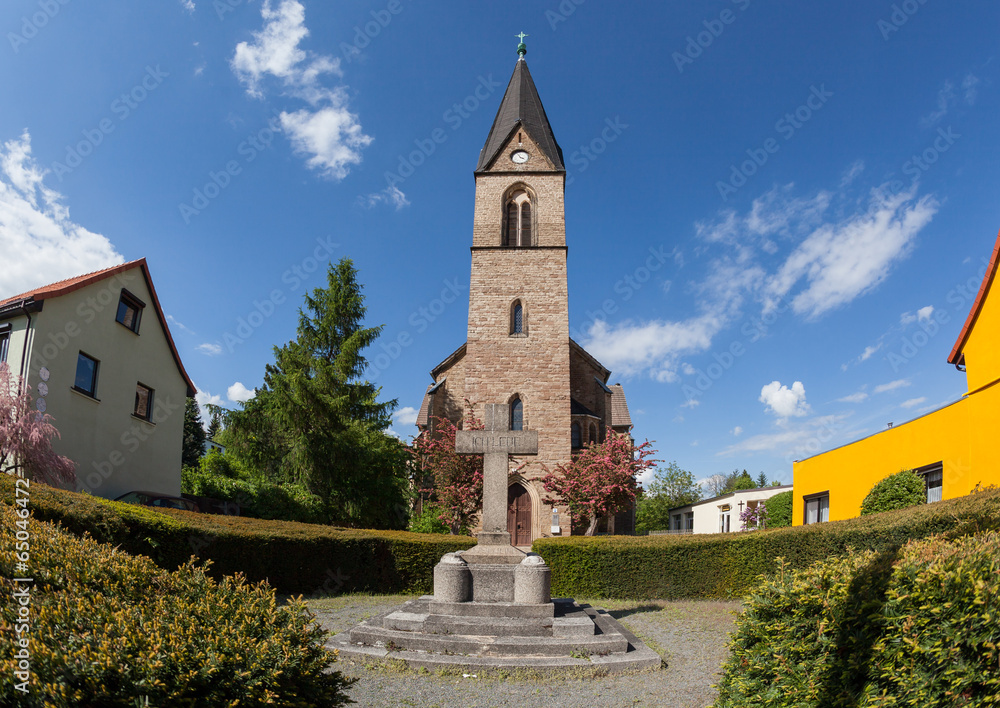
601, 479
458, 479
26, 437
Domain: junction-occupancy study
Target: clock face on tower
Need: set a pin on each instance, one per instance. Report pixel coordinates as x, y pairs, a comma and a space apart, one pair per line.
519, 157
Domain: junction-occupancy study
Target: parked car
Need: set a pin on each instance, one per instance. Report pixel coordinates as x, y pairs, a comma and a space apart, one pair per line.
160, 500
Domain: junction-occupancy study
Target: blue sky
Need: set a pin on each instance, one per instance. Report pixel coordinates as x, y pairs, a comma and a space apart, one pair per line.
777, 213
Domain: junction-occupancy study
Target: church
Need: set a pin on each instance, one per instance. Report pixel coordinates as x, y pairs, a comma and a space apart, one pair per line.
518, 350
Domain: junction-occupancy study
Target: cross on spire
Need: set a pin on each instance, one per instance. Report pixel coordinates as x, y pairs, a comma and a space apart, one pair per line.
522, 48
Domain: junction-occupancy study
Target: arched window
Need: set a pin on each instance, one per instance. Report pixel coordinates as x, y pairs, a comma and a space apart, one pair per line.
517, 318
517, 225
576, 443
593, 433
516, 414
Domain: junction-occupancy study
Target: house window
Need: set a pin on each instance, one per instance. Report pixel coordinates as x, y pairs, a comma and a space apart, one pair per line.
817, 508
724, 519
576, 442
516, 414
143, 402
129, 311
4, 342
933, 479
689, 521
675, 522
86, 375
517, 225
517, 318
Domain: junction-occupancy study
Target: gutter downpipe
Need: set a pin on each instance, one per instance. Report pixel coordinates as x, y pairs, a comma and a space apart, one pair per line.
24, 348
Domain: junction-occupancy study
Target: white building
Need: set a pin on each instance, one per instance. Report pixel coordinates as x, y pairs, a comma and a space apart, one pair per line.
720, 514
100, 360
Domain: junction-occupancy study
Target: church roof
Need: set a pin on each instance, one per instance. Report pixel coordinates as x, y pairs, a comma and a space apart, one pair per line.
521, 106
619, 408
423, 417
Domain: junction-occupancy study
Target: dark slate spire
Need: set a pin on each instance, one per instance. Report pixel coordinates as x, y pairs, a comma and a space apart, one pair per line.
521, 107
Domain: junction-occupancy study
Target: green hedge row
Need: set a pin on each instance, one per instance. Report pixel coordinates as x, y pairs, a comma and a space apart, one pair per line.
915, 626
291, 556
105, 628
729, 565
258, 500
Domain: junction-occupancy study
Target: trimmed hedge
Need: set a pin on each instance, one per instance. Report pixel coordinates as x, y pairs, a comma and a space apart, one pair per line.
897, 491
104, 628
910, 627
291, 556
729, 565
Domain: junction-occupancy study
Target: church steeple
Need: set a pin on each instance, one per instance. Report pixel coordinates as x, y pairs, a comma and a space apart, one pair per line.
521, 109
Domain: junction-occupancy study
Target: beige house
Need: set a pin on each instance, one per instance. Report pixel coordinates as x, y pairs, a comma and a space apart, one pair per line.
99, 358
720, 514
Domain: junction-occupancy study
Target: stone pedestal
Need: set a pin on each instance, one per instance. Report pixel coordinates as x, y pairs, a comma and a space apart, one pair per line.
532, 581
452, 579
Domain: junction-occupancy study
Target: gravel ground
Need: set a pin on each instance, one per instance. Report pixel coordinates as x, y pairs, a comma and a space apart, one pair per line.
691, 636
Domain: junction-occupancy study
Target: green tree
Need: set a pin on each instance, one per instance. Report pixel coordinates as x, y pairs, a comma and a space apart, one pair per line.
194, 435
317, 422
671, 487
214, 427
762, 480
779, 510
736, 480
897, 491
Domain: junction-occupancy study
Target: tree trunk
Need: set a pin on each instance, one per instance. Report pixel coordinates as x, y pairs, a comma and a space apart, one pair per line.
593, 525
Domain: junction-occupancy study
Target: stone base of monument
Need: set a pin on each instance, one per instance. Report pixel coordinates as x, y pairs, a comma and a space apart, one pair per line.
496, 616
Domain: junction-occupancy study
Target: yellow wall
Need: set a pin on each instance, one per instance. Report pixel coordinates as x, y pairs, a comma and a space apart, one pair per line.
963, 436
982, 348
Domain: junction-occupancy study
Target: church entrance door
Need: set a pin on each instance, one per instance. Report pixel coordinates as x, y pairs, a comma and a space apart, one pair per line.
519, 515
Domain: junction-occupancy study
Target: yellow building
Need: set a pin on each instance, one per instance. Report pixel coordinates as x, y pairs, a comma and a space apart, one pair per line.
955, 447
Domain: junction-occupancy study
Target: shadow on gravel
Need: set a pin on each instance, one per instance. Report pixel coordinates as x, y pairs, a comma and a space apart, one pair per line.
638, 609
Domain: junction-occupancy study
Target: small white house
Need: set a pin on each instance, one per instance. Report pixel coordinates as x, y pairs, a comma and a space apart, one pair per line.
720, 514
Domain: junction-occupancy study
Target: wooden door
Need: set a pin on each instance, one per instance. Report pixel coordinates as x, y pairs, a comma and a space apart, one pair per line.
519, 515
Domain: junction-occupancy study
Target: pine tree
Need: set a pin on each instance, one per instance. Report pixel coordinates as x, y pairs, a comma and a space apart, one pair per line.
317, 422
214, 427
194, 435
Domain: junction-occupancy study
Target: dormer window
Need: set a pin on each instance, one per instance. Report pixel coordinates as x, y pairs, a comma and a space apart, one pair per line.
129, 311
517, 225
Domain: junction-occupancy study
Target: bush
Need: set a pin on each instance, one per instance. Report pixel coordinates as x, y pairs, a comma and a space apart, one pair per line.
728, 565
897, 491
914, 627
429, 521
779, 510
110, 629
257, 499
293, 557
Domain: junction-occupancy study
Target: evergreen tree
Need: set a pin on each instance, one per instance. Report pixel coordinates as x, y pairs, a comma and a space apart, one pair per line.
762, 480
316, 422
194, 435
214, 427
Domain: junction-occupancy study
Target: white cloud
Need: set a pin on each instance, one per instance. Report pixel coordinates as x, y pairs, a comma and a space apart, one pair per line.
785, 402
203, 399
856, 168
797, 441
945, 98
209, 348
691, 403
867, 353
841, 261
970, 85
737, 431
327, 132
38, 241
179, 325
390, 195
854, 398
892, 385
188, 5
924, 313
238, 393
912, 402
687, 369
405, 416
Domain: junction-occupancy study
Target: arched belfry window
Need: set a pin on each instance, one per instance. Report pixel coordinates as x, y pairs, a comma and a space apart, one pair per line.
517, 323
517, 225
516, 414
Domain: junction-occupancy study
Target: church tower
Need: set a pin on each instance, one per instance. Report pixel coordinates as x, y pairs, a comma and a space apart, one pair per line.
518, 350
